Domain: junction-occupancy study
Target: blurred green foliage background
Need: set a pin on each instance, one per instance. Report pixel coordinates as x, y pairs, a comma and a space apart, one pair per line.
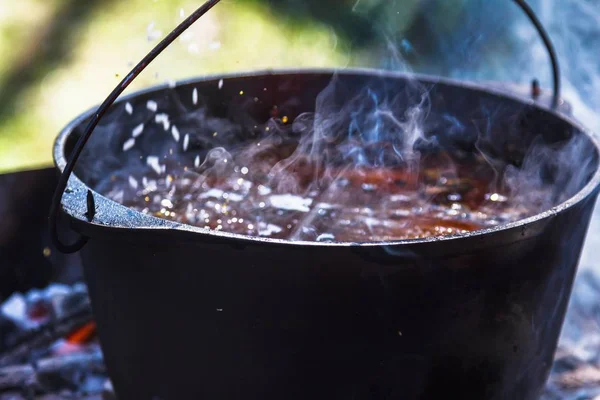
61, 57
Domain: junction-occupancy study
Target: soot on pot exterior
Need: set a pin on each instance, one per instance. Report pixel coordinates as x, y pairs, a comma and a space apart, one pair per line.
184, 313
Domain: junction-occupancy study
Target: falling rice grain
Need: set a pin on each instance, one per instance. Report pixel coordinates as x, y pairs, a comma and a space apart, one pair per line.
175, 133
186, 37
197, 162
153, 163
164, 120
195, 96
151, 33
186, 142
138, 130
129, 108
152, 105
128, 145
221, 84
133, 182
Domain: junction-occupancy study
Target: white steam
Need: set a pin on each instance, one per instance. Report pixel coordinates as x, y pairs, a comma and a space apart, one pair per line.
494, 41
574, 26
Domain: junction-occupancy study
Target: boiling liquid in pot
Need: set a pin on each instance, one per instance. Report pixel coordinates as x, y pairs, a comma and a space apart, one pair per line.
434, 197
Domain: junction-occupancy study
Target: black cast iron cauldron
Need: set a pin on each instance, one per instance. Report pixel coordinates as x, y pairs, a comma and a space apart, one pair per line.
184, 313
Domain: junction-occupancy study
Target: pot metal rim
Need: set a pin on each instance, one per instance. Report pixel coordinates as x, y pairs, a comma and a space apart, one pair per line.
73, 201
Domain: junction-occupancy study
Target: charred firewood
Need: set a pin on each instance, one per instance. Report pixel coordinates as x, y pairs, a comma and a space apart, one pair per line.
44, 336
39, 373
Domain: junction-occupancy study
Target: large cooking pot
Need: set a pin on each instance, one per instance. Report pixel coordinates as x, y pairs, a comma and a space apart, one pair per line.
186, 313
476, 315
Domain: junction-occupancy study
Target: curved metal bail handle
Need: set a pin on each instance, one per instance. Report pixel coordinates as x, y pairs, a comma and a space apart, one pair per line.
64, 178
549, 46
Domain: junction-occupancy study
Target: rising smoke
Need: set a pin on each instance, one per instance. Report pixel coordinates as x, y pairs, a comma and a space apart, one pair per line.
492, 41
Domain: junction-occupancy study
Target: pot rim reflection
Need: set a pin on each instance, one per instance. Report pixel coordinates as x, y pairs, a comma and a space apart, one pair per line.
115, 216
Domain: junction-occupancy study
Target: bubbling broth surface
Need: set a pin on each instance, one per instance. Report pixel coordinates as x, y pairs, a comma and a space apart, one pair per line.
436, 196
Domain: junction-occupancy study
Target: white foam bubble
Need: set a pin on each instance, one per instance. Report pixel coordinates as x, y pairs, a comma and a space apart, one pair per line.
290, 202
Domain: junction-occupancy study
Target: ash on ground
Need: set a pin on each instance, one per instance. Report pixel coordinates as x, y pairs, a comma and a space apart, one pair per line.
576, 371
